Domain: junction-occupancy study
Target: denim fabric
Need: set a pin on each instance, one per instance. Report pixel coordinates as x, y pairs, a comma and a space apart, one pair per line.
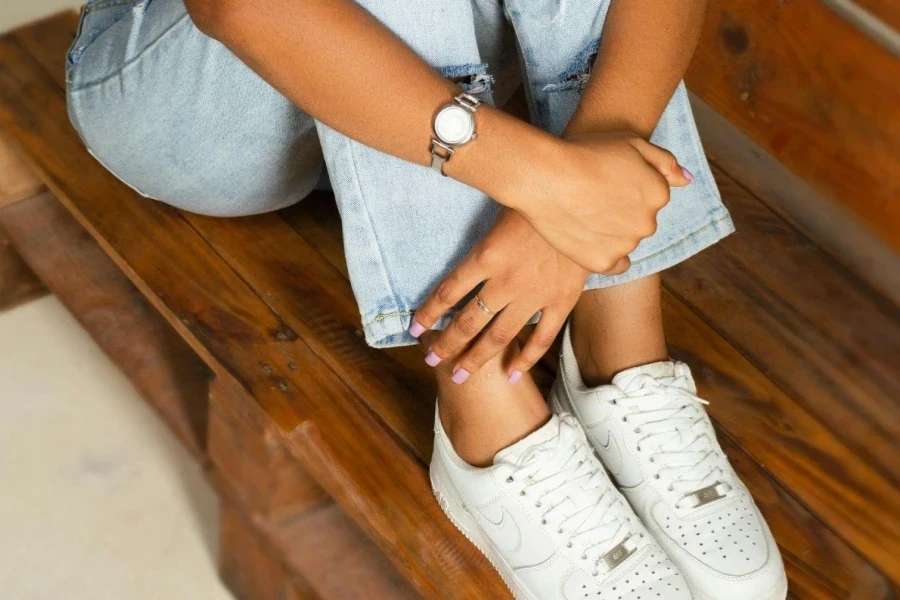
175, 115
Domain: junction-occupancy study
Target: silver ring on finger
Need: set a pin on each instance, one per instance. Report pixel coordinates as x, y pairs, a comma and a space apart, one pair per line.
483, 306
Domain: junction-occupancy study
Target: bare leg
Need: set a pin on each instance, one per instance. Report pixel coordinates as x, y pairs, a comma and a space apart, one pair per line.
617, 328
487, 413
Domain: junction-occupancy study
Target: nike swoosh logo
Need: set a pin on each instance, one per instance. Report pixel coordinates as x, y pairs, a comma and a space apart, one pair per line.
612, 455
503, 531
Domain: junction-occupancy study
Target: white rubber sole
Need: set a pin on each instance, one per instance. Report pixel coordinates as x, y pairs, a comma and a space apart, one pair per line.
452, 506
559, 403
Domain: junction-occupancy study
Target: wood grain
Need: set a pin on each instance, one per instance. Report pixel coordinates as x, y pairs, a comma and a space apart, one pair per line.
248, 454
805, 322
18, 283
238, 297
17, 181
370, 473
130, 331
249, 567
820, 559
815, 92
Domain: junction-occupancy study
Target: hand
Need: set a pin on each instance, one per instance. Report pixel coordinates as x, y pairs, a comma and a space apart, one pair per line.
596, 196
522, 275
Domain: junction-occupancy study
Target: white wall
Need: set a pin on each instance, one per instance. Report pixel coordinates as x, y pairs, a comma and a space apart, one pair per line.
18, 12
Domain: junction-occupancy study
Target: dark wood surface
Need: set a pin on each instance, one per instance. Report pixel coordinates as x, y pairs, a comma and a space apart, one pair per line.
795, 354
18, 283
17, 181
130, 331
813, 90
377, 480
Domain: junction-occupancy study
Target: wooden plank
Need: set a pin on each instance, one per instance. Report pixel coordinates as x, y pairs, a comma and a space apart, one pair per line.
887, 11
318, 442
328, 549
820, 560
17, 181
248, 454
130, 331
833, 227
47, 41
18, 283
249, 567
815, 92
238, 335
808, 324
839, 487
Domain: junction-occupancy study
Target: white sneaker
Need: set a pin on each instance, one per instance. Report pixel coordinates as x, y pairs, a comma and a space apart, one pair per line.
652, 433
551, 522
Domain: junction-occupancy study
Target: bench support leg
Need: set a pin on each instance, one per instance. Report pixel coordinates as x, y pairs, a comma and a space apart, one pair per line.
247, 566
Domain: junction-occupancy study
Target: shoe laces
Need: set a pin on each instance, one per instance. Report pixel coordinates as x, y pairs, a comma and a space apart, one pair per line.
673, 427
564, 479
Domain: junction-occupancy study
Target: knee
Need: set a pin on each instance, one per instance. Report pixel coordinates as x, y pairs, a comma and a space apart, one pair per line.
209, 16
215, 175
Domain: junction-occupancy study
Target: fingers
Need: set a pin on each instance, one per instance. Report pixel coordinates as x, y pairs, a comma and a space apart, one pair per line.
462, 280
470, 322
663, 161
540, 341
492, 342
620, 267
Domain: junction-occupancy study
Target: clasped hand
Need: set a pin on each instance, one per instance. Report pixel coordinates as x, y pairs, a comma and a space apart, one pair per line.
585, 211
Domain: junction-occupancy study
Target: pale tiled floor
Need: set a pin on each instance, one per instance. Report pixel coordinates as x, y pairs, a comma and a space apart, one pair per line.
97, 499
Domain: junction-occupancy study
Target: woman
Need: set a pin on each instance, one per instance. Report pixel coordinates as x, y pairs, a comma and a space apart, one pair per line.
233, 107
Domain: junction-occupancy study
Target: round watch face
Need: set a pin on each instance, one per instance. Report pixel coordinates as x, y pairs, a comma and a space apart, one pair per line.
454, 125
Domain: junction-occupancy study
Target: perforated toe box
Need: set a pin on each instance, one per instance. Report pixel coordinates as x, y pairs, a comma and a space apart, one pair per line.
731, 540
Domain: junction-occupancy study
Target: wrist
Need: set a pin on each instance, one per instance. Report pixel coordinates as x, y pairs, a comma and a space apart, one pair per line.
508, 160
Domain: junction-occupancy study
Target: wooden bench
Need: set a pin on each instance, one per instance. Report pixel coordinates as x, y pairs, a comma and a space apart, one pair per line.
244, 335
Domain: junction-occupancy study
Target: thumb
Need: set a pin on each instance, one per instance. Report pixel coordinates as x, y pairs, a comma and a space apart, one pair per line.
663, 161
620, 267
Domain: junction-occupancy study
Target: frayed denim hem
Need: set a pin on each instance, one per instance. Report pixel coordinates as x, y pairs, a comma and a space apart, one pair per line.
389, 330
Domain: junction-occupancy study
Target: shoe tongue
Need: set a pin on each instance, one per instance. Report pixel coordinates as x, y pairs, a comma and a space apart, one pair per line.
512, 454
631, 379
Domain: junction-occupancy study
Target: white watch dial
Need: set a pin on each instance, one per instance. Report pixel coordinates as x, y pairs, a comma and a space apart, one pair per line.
454, 125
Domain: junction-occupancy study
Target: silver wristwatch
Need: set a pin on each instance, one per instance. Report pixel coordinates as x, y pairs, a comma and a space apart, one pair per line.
454, 125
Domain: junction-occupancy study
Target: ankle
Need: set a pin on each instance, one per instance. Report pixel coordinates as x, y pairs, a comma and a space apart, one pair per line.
477, 438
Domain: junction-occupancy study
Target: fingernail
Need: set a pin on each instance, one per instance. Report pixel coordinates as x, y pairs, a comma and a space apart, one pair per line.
432, 359
515, 376
415, 329
459, 376
688, 174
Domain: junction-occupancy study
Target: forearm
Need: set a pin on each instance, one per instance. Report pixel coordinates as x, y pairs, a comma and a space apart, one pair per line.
342, 66
646, 49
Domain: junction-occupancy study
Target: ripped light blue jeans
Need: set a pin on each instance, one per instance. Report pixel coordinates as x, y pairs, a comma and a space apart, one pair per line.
180, 119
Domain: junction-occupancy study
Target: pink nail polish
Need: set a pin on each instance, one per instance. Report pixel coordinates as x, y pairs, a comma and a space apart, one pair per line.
459, 376
416, 330
688, 174
515, 376
432, 359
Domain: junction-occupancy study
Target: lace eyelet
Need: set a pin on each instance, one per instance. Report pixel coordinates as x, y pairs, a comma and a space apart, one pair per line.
583, 557
638, 448
651, 459
656, 476
509, 479
537, 504
559, 530
594, 573
568, 544
637, 429
624, 419
614, 402
543, 521
522, 493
